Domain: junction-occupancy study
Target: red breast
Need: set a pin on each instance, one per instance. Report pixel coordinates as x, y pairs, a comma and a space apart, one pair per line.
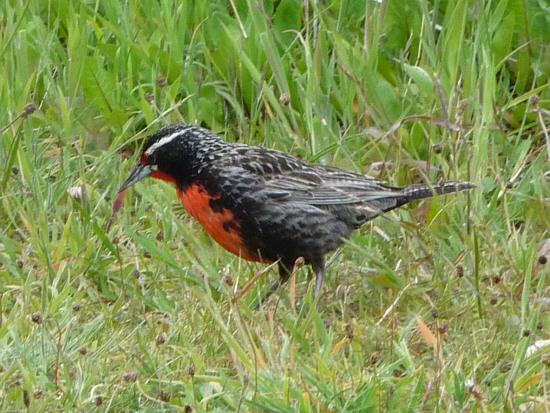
222, 225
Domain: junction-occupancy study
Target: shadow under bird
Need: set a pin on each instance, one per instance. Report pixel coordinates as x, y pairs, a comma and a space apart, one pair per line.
265, 205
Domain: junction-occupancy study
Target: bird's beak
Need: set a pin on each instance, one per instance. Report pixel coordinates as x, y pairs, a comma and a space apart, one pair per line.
139, 173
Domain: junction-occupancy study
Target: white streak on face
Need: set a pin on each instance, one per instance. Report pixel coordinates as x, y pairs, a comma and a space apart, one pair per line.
163, 141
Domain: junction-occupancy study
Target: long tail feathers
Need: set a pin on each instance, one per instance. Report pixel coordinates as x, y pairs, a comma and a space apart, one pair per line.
402, 196
420, 191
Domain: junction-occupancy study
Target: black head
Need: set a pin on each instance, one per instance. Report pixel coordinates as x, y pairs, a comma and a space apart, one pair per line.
175, 154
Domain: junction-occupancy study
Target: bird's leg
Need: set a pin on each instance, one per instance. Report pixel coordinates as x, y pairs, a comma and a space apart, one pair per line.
241, 293
319, 281
284, 275
319, 268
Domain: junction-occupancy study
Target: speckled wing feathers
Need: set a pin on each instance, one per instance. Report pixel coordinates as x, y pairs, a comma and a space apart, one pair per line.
291, 179
280, 207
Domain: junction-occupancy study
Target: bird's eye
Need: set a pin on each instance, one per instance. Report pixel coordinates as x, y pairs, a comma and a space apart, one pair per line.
149, 160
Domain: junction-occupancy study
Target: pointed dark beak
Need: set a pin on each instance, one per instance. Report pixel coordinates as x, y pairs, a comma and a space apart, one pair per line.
139, 173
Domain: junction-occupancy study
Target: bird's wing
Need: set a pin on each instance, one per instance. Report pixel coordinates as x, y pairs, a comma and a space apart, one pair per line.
284, 177
330, 190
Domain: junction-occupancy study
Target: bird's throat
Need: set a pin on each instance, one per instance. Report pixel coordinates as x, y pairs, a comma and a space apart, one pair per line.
163, 177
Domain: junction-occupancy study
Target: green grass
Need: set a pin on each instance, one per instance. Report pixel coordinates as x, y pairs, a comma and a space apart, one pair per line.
430, 309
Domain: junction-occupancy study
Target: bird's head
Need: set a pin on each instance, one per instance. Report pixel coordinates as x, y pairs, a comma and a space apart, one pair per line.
173, 154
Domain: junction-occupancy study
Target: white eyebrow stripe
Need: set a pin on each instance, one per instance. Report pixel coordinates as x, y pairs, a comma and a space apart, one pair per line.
163, 141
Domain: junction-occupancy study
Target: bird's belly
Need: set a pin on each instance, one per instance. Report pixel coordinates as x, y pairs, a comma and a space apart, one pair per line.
219, 223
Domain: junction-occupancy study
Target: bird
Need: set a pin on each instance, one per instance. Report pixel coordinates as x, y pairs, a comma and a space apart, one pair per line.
267, 206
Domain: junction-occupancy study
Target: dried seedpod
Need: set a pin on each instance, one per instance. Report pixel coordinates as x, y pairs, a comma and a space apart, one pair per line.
37, 318
130, 376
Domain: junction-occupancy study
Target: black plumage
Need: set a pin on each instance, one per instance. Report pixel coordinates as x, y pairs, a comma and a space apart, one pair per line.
282, 207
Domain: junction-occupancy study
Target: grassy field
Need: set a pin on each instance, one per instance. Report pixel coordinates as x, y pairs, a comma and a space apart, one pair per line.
438, 307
